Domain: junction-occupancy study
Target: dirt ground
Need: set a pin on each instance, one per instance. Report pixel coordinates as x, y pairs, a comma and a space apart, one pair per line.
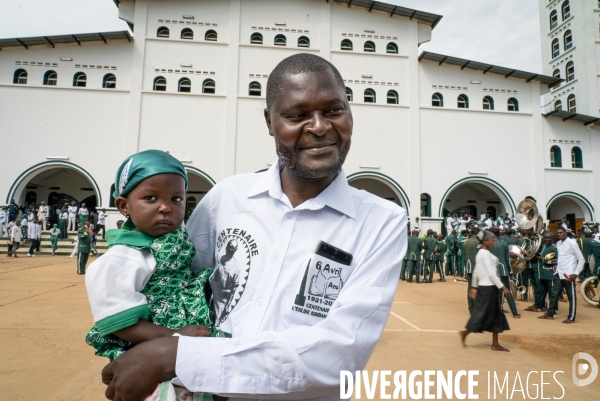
44, 316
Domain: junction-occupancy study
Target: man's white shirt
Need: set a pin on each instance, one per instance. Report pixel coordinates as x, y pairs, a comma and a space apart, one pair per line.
101, 217
570, 259
33, 231
72, 211
296, 318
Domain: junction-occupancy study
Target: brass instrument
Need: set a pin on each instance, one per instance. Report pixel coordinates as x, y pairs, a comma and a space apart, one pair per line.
548, 258
590, 292
526, 217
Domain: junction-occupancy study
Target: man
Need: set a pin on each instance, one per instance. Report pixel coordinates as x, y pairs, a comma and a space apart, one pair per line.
569, 264
72, 210
440, 251
15, 239
507, 220
449, 223
489, 223
451, 248
500, 221
84, 241
3, 222
500, 250
290, 222
101, 223
483, 216
34, 234
416, 228
471, 246
508, 237
415, 245
13, 210
429, 246
42, 215
460, 240
565, 224
526, 276
585, 246
404, 267
544, 265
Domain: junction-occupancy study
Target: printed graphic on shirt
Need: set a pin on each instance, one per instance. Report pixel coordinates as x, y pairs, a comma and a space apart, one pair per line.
321, 284
235, 249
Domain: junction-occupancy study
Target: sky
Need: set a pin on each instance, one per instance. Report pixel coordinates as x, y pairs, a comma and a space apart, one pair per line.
504, 33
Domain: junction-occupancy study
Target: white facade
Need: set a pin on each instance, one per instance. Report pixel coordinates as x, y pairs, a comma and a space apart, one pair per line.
405, 152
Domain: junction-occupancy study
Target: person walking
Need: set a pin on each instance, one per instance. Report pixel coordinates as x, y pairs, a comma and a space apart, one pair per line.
101, 223
54, 234
72, 217
569, 265
43, 213
34, 234
15, 239
487, 313
84, 240
500, 251
545, 264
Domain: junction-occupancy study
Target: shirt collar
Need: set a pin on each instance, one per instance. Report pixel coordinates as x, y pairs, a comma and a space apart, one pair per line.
337, 195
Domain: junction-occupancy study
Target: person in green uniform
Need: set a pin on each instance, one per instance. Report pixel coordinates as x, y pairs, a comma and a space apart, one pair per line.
470, 247
500, 250
62, 223
413, 253
526, 276
585, 245
460, 241
83, 248
544, 265
508, 237
54, 233
440, 252
429, 246
451, 248
404, 264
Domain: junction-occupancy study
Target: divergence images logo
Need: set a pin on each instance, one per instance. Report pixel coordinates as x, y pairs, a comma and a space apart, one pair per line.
583, 368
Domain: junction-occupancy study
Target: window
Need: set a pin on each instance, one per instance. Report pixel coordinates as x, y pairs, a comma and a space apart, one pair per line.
346, 44
369, 96
208, 86
437, 100
568, 40
555, 157
254, 89
256, 38
576, 158
20, 77
391, 48
463, 102
303, 41
210, 35
50, 78
80, 79
280, 40
162, 32
513, 104
187, 33
392, 97
185, 85
369, 46
488, 103
558, 105
572, 104
556, 74
570, 71
566, 10
555, 48
553, 19
349, 94
109, 81
160, 84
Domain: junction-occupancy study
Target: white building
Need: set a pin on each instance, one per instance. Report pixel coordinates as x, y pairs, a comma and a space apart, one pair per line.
433, 133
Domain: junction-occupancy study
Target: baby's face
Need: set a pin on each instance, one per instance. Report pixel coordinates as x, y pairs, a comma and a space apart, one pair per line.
156, 205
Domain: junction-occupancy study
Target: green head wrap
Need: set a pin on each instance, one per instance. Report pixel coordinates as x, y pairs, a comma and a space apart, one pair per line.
24, 215
146, 164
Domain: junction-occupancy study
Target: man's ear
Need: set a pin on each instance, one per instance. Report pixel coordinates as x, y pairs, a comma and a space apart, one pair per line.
268, 121
122, 204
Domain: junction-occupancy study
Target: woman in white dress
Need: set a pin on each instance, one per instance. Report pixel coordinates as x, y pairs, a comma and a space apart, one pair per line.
487, 313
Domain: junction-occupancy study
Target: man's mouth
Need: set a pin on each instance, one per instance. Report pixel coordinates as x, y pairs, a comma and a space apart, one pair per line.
319, 149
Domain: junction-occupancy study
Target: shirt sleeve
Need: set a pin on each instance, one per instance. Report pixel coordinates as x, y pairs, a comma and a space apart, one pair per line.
303, 361
201, 229
579, 257
491, 270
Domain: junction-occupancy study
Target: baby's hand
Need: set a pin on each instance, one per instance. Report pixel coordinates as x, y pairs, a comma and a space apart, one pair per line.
194, 331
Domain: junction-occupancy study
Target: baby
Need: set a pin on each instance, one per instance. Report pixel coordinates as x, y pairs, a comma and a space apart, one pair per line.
142, 287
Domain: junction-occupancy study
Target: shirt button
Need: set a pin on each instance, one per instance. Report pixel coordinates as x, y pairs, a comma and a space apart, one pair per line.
199, 381
275, 256
260, 302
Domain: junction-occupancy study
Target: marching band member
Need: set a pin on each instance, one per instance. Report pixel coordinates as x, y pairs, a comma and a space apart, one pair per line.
500, 250
545, 265
569, 264
470, 248
450, 248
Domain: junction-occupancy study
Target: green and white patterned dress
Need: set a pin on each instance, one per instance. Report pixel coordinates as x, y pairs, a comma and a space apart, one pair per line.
177, 296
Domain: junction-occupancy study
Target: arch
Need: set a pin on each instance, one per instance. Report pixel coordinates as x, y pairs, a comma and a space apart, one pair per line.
346, 44
211, 35
488, 103
369, 46
572, 104
566, 10
21, 182
109, 81
280, 40
50, 78
512, 104
370, 96
256, 38
80, 79
31, 197
570, 69
576, 157
392, 97
553, 19
555, 49
580, 200
568, 40
509, 203
349, 94
162, 32
254, 89
187, 33
396, 188
556, 74
160, 84
437, 100
184, 85
303, 41
426, 208
208, 86
555, 156
391, 48
462, 102
20, 77
558, 105
202, 174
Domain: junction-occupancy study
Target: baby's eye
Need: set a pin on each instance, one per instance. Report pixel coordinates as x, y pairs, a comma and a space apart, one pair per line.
177, 199
150, 198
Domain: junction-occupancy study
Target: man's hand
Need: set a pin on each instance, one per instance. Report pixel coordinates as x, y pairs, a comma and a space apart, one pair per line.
506, 292
573, 278
136, 374
194, 331
473, 293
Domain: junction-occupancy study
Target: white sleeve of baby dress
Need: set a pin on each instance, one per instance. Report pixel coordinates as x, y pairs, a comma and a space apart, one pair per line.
114, 283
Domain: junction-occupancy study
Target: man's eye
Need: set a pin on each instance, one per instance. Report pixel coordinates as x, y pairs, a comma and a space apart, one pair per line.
336, 110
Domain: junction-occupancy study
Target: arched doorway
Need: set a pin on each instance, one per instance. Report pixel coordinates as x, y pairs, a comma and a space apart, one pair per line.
380, 185
570, 205
474, 196
199, 183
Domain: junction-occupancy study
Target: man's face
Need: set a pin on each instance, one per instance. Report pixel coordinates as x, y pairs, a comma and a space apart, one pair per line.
561, 234
548, 238
312, 124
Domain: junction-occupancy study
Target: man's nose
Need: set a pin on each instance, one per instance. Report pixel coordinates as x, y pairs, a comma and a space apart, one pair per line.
319, 125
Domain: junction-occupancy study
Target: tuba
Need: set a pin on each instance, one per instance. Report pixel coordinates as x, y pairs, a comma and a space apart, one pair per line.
526, 217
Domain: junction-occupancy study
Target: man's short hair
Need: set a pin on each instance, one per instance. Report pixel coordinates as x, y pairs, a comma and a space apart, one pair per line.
494, 231
560, 228
298, 64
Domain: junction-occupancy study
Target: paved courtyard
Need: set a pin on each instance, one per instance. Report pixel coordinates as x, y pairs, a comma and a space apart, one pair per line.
44, 316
